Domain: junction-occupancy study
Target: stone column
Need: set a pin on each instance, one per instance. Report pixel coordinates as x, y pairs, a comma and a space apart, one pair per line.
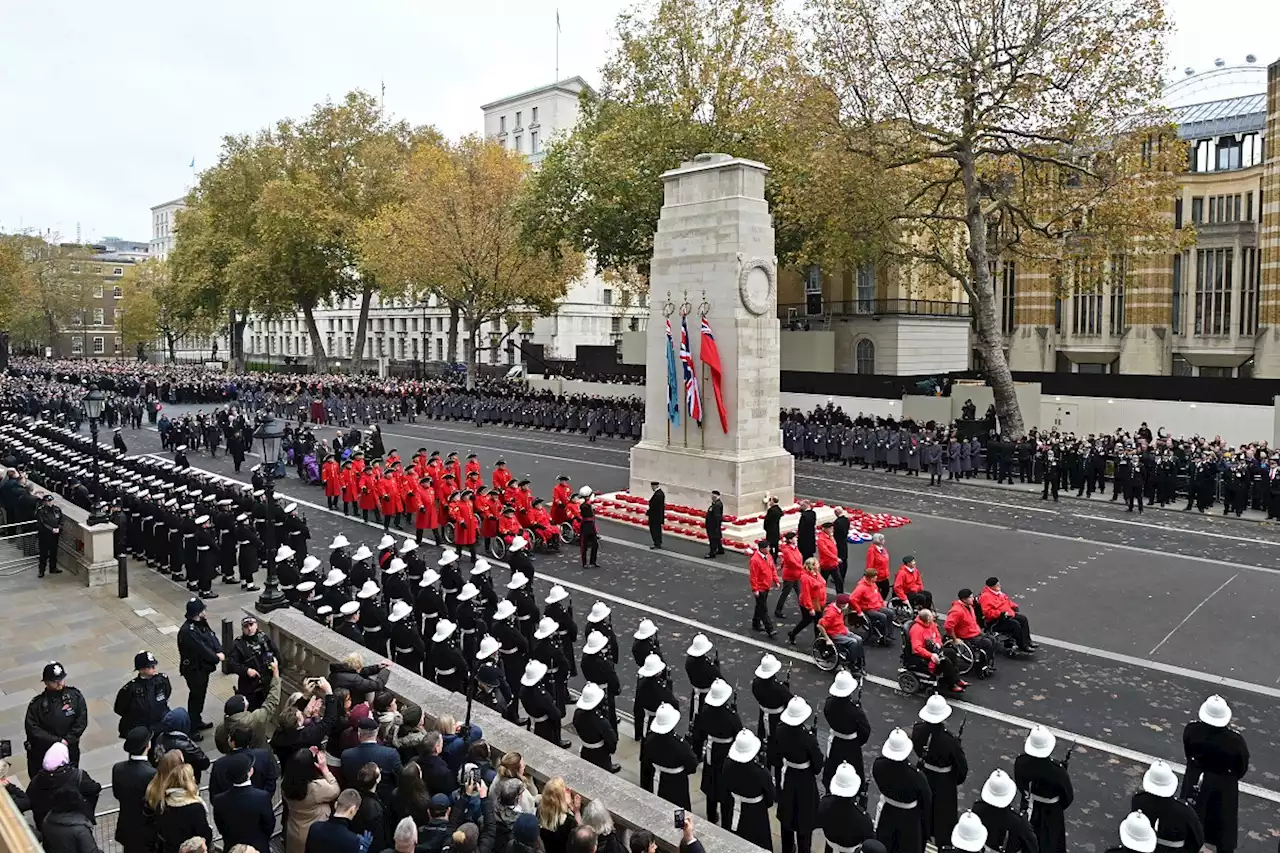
1266, 363
715, 245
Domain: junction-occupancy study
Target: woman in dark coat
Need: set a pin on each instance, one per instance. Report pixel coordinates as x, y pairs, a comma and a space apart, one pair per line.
57, 774
181, 813
66, 829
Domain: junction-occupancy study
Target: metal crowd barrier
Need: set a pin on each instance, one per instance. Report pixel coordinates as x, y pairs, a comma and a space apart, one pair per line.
104, 830
18, 549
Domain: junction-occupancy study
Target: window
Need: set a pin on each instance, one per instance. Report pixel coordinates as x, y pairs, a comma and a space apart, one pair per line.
1119, 272
77, 345
99, 346
116, 345
117, 292
519, 115
866, 280
518, 143
534, 148
439, 324
615, 325
633, 325
97, 290
1092, 367
533, 115
1214, 372
1249, 290
439, 349
1248, 207
1213, 291
1177, 213
608, 296
865, 355
1086, 301
1057, 315
1175, 313
117, 270
1197, 209
1008, 298
98, 316
1228, 152
1181, 367
502, 124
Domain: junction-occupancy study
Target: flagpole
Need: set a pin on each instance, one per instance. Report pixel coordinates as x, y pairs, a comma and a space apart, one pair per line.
557, 80
702, 392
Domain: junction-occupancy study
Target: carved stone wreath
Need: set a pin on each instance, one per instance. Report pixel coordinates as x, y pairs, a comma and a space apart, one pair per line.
757, 284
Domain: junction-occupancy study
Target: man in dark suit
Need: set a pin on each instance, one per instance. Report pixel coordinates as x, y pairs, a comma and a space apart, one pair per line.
715, 526
387, 759
265, 772
807, 531
243, 813
335, 834
129, 780
657, 512
773, 526
840, 532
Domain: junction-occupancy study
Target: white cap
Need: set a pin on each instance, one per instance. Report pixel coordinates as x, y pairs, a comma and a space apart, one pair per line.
309, 564
719, 693
204, 519
652, 666
546, 627
349, 607
1040, 743
897, 746
369, 590
334, 577
481, 567
969, 834
517, 581
395, 566
599, 612
444, 629
590, 697
306, 586
488, 647
845, 782
324, 610
284, 552
339, 541
448, 558
665, 719
746, 746
844, 684
935, 710
646, 629
519, 543
408, 545
700, 646
584, 492
1160, 779
362, 553
505, 610
534, 670
429, 577
468, 591
595, 643
399, 610
1215, 711
1136, 833
999, 789
769, 666
796, 712
386, 541
557, 593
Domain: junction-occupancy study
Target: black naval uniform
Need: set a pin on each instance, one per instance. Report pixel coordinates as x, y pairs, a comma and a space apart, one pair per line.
1007, 826
747, 793
1217, 759
599, 738
1047, 788
772, 696
408, 647
906, 802
1176, 823
944, 765
844, 824
543, 712
713, 732
597, 668
670, 761
797, 760
848, 730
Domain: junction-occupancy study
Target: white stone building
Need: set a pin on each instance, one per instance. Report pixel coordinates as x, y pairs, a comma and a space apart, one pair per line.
164, 232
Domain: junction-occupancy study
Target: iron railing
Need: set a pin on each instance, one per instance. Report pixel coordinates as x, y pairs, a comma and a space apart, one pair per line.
104, 829
877, 308
18, 547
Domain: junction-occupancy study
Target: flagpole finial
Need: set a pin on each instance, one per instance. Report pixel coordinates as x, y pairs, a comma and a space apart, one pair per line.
685, 307
668, 307
705, 307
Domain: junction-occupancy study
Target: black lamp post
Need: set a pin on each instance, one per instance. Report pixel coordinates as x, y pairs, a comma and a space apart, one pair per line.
93, 402
270, 433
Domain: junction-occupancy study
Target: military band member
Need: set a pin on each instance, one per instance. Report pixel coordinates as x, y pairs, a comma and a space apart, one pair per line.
1003, 823
666, 759
714, 729
906, 802
702, 670
843, 822
797, 760
1046, 790
848, 728
590, 721
1217, 759
771, 695
1175, 821
598, 669
747, 791
540, 705
373, 619
942, 760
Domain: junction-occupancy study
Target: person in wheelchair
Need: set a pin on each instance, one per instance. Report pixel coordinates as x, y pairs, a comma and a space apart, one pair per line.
547, 533
908, 585
924, 652
866, 601
508, 524
962, 624
833, 626
1001, 614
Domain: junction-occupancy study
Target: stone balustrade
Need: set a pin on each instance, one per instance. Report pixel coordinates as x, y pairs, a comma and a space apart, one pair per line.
307, 648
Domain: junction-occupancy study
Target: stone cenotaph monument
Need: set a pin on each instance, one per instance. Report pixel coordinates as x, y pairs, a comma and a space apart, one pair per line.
713, 258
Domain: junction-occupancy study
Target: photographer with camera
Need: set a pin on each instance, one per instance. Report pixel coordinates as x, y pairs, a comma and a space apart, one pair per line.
251, 656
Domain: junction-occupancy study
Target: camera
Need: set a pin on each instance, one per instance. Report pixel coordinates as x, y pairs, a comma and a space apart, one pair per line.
679, 819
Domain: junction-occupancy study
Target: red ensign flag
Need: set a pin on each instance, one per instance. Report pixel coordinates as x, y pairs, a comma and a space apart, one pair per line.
710, 356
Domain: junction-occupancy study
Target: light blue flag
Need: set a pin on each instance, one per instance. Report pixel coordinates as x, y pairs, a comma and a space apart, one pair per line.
673, 394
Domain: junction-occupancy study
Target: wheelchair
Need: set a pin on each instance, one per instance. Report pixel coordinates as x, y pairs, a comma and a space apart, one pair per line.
903, 613
914, 675
568, 533
866, 629
1001, 641
448, 533
498, 547
827, 657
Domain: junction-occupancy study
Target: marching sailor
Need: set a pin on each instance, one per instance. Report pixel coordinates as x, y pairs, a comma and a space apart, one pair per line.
843, 822
714, 729
747, 791
906, 802
943, 763
1046, 789
797, 759
669, 758
1217, 759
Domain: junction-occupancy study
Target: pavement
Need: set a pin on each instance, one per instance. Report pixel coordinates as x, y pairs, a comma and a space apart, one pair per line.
1139, 617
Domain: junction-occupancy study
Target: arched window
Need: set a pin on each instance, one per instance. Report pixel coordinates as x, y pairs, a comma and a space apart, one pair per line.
865, 353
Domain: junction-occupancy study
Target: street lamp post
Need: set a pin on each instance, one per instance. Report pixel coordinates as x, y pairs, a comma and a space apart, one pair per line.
270, 434
93, 402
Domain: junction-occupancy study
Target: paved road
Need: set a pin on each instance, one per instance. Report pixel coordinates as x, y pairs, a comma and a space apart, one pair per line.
1143, 616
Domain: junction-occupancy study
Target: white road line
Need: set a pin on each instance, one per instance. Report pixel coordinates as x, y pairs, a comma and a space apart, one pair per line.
1193, 613
1272, 542
850, 484
1208, 678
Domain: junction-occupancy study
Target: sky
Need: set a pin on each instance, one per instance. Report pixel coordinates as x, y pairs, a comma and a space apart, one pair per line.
106, 106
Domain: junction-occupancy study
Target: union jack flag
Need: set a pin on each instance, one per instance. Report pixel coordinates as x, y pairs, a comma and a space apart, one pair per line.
693, 400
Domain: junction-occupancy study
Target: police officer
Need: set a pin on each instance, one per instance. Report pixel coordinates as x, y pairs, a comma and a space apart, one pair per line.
715, 526
252, 654
49, 520
145, 700
58, 714
200, 653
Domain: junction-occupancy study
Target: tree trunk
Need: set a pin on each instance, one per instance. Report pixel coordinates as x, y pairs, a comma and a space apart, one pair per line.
990, 338
454, 313
472, 351
171, 340
362, 324
319, 360
238, 321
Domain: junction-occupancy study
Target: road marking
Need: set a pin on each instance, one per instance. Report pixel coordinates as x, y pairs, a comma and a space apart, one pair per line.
847, 483
1193, 613
1272, 542
1171, 669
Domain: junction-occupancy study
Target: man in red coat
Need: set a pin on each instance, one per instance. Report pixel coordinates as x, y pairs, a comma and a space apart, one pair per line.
331, 476
792, 568
764, 577
999, 611
909, 585
848, 644
350, 488
473, 467
963, 625
560, 497
866, 600
367, 486
829, 557
926, 644
454, 466
501, 476
878, 559
427, 517
465, 528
